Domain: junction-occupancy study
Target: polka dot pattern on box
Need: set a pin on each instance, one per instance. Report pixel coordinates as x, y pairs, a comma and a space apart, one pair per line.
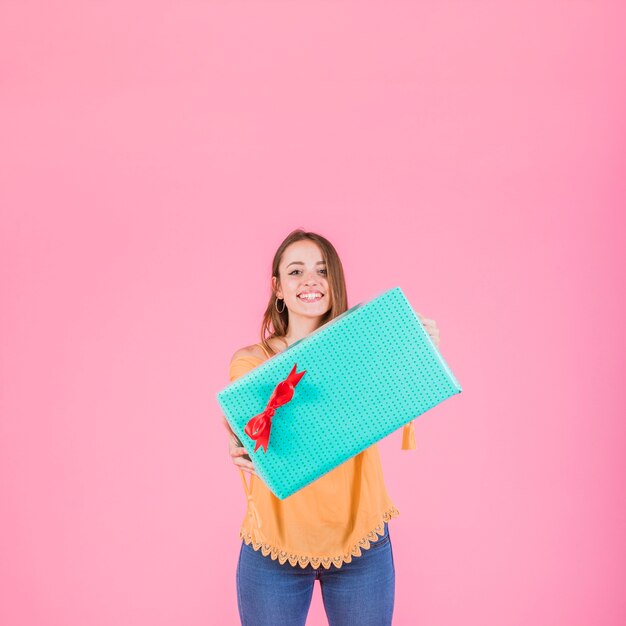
368, 372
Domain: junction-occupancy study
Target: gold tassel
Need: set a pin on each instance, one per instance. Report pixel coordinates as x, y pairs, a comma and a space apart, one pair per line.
408, 437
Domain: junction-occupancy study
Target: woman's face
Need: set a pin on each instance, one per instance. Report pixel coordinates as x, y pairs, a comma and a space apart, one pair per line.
303, 280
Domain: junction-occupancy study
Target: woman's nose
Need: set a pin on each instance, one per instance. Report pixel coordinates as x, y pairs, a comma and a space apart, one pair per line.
310, 278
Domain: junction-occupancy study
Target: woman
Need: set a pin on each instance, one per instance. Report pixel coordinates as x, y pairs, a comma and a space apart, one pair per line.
335, 529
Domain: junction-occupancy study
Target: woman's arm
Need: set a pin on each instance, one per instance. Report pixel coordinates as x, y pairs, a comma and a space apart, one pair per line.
238, 453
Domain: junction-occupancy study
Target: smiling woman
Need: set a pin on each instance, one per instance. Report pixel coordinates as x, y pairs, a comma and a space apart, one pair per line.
305, 265
325, 531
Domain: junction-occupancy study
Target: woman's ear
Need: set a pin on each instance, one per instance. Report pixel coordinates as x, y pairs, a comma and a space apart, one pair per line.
277, 290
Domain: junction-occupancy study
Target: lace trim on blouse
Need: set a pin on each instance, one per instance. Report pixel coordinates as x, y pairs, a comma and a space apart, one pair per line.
326, 561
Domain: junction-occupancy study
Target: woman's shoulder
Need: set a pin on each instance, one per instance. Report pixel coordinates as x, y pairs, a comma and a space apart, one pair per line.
244, 360
254, 351
257, 351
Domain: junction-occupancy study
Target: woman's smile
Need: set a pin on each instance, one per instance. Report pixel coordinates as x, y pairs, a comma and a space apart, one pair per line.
312, 296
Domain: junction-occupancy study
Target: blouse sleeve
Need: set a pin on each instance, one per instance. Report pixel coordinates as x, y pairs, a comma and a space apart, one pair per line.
240, 366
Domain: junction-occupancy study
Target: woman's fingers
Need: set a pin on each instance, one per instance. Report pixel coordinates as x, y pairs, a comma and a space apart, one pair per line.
433, 331
429, 324
431, 328
244, 465
237, 453
247, 466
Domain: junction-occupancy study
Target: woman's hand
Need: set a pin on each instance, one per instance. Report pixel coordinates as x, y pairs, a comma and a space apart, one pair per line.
430, 327
237, 452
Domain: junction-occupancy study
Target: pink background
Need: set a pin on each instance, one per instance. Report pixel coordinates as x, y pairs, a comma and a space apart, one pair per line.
152, 157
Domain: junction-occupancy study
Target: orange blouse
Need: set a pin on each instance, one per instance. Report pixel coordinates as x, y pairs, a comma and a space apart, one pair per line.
331, 519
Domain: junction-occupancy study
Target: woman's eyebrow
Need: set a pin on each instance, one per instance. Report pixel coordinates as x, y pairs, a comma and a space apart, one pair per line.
301, 263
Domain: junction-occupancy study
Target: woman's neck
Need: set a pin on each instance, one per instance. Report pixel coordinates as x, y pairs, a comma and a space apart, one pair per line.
300, 327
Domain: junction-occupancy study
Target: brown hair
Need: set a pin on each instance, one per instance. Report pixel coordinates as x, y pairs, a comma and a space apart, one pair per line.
274, 323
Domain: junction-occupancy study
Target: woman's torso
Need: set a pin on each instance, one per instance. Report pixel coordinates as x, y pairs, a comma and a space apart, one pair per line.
330, 520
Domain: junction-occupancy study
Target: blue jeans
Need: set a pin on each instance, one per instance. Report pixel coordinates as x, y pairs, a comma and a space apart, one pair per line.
359, 593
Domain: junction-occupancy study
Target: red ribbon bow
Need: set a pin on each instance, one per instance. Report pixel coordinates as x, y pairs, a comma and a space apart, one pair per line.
259, 426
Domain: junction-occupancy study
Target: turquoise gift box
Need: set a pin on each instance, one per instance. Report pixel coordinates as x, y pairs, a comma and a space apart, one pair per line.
368, 372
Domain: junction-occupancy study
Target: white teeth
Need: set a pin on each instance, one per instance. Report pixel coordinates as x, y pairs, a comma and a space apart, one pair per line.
311, 296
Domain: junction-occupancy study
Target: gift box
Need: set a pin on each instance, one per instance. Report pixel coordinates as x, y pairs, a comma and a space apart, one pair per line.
334, 393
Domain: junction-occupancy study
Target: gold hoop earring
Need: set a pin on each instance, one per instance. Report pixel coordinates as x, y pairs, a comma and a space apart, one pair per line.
276, 305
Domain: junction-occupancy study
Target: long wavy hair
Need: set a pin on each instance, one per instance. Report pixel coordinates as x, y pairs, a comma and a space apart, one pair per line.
275, 324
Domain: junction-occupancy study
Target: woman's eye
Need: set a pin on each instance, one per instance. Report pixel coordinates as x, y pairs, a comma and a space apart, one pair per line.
294, 271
